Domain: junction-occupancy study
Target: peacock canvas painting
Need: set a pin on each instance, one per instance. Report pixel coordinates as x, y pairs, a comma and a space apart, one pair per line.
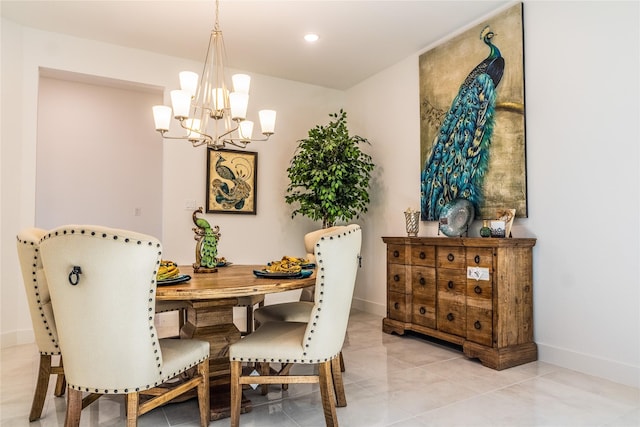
231, 181
472, 122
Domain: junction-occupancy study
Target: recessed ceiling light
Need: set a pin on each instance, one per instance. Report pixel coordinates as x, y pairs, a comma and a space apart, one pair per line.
311, 38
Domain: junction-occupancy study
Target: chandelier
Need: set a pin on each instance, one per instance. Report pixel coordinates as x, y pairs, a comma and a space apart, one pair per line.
207, 110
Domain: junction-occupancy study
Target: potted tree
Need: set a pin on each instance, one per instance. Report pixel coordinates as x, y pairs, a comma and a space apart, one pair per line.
329, 175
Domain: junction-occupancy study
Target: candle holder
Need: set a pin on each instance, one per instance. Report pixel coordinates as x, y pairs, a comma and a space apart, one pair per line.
412, 219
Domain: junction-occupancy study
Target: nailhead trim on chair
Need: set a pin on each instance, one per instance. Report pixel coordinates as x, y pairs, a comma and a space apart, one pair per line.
321, 278
163, 376
37, 293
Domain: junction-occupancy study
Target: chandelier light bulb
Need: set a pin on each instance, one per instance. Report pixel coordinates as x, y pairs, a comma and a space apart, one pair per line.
189, 82
246, 130
241, 83
267, 121
181, 102
238, 103
162, 117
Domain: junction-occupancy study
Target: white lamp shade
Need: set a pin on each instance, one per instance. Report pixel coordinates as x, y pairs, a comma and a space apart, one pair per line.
267, 121
189, 82
246, 130
218, 95
162, 117
239, 103
181, 102
241, 83
195, 125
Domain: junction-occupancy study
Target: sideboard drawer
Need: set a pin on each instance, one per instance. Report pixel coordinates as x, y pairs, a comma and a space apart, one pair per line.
452, 317
397, 307
395, 254
453, 282
396, 278
480, 257
423, 281
479, 325
424, 312
451, 257
423, 255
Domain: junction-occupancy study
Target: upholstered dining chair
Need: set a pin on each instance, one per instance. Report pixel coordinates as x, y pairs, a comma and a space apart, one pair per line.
42, 320
296, 311
102, 283
319, 340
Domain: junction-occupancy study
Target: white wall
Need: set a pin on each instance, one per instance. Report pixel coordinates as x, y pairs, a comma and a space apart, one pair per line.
90, 171
582, 148
582, 115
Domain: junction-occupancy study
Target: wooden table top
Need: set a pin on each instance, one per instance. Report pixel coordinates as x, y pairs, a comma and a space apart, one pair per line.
232, 281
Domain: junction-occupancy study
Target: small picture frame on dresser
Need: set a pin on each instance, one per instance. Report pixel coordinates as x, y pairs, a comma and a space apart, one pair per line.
506, 215
497, 228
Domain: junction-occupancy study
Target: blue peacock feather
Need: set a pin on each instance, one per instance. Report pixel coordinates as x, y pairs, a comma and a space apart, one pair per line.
459, 157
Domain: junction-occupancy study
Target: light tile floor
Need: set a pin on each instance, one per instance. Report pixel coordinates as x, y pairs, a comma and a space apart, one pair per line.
389, 380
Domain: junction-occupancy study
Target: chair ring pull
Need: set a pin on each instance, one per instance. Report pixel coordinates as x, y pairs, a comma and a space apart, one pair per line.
74, 276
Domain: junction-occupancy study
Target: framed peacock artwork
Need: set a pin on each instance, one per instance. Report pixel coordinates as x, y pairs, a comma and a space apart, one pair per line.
232, 179
472, 119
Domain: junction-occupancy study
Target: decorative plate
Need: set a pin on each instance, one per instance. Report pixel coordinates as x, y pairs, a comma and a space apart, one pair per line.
456, 216
175, 280
282, 274
223, 264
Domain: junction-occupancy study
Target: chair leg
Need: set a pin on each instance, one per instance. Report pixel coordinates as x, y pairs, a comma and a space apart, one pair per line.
132, 405
338, 385
181, 316
74, 407
327, 393
249, 325
61, 382
265, 370
203, 394
342, 368
236, 393
44, 372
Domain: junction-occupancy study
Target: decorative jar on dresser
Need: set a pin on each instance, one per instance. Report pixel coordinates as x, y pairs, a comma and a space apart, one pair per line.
473, 292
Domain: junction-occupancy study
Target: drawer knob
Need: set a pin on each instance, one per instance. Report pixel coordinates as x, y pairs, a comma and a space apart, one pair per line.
450, 284
477, 290
450, 317
423, 310
477, 325
450, 257
422, 281
396, 254
477, 259
423, 255
396, 278
396, 306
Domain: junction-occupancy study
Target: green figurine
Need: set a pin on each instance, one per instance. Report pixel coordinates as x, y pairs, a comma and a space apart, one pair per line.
207, 238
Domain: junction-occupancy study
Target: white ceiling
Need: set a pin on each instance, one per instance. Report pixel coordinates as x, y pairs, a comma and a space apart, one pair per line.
358, 38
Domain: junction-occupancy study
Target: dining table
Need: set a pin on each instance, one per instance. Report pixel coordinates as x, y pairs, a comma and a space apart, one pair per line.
210, 298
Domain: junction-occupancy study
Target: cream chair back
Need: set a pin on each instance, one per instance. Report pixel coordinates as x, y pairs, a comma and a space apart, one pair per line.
102, 283
37, 291
311, 238
337, 259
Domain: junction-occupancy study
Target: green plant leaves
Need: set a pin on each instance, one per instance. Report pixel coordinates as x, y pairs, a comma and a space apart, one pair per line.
329, 175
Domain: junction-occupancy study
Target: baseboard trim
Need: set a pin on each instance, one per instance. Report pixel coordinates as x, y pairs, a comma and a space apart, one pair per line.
10, 339
369, 307
592, 365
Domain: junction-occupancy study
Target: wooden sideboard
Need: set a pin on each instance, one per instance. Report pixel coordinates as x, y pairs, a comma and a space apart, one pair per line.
473, 292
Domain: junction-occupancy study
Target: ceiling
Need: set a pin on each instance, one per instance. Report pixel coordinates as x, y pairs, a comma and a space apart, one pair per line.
358, 38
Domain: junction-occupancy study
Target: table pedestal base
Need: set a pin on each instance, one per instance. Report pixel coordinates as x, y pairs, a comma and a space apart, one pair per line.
220, 399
